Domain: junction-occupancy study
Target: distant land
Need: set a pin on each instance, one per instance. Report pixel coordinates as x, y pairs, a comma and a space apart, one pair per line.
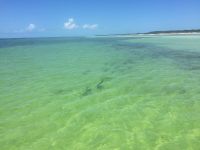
168, 32
174, 31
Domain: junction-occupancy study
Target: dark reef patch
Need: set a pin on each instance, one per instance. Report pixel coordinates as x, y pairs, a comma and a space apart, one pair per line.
183, 58
174, 90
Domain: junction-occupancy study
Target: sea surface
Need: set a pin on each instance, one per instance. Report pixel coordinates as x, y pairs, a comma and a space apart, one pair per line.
100, 93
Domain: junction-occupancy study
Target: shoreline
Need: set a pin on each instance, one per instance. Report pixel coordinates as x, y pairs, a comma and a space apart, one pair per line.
152, 34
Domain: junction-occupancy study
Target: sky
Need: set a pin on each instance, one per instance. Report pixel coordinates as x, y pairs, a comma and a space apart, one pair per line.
40, 18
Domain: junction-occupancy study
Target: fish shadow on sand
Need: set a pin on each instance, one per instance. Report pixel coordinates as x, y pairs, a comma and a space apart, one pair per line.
87, 91
59, 91
99, 86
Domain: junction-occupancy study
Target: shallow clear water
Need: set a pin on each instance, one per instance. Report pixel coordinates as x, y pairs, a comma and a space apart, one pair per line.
100, 93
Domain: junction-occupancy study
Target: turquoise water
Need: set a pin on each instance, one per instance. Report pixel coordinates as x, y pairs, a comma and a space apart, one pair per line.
100, 93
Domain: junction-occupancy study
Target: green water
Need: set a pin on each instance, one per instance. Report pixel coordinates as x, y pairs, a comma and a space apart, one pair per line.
139, 93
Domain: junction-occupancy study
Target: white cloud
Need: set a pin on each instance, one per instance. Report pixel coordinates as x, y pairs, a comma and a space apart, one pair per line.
90, 26
70, 24
30, 27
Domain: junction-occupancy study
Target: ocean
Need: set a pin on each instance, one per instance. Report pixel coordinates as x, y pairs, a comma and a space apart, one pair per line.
104, 93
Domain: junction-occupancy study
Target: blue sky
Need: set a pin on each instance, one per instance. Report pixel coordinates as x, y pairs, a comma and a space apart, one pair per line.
30, 18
